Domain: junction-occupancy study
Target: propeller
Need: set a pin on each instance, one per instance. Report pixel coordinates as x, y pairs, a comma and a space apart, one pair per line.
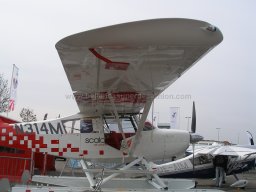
193, 136
45, 116
193, 123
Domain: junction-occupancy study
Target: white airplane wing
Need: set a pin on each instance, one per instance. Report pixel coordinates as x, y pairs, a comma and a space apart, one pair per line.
132, 62
229, 151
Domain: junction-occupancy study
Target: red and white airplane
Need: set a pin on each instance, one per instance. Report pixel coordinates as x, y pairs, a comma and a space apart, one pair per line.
116, 72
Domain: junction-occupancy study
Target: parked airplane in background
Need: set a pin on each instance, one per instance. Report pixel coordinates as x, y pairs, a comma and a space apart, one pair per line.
116, 72
200, 164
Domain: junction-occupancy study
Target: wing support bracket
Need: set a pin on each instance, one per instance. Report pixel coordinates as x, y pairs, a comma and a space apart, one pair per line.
89, 175
118, 120
141, 124
158, 183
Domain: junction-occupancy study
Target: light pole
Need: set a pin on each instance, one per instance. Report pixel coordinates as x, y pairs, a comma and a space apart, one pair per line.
156, 119
218, 129
188, 122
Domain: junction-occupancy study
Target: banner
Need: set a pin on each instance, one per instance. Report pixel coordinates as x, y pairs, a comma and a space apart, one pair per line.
13, 89
174, 117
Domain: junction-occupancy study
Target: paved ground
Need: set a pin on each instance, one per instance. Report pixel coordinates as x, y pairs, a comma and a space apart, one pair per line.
250, 176
202, 183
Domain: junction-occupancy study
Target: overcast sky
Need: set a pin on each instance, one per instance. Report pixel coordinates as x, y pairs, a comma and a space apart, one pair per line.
222, 83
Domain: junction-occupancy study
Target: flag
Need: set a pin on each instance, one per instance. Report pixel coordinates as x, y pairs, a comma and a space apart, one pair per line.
174, 117
13, 89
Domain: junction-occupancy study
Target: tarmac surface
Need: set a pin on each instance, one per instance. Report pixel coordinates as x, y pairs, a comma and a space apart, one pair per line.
202, 183
250, 176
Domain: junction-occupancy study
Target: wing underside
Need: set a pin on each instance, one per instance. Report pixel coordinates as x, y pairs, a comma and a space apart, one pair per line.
133, 62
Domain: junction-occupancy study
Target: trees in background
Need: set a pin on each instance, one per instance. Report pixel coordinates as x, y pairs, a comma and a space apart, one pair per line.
4, 94
27, 115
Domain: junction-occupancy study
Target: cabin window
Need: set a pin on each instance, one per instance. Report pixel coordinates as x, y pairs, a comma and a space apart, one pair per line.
111, 125
201, 160
87, 125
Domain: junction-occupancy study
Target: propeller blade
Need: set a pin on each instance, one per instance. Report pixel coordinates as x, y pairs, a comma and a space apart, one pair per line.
45, 116
194, 138
193, 123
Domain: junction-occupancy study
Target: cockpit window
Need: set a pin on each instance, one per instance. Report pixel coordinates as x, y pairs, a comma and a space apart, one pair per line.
201, 160
107, 123
127, 125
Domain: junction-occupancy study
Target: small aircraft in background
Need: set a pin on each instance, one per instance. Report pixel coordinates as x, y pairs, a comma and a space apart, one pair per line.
199, 164
115, 73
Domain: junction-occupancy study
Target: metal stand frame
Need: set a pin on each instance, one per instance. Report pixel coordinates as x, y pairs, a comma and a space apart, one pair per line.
88, 174
158, 183
96, 184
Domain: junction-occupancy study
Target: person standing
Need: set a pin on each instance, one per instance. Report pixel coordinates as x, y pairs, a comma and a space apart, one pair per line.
220, 163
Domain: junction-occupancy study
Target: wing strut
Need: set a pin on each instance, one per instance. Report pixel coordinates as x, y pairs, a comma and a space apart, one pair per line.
141, 124
118, 120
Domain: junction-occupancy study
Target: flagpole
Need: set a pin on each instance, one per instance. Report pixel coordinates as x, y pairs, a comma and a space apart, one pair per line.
10, 90
13, 87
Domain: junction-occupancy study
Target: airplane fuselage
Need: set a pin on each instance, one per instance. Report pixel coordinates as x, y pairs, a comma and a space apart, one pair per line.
52, 138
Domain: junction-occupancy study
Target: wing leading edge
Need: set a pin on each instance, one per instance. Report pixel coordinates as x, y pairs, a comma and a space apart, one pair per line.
132, 61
